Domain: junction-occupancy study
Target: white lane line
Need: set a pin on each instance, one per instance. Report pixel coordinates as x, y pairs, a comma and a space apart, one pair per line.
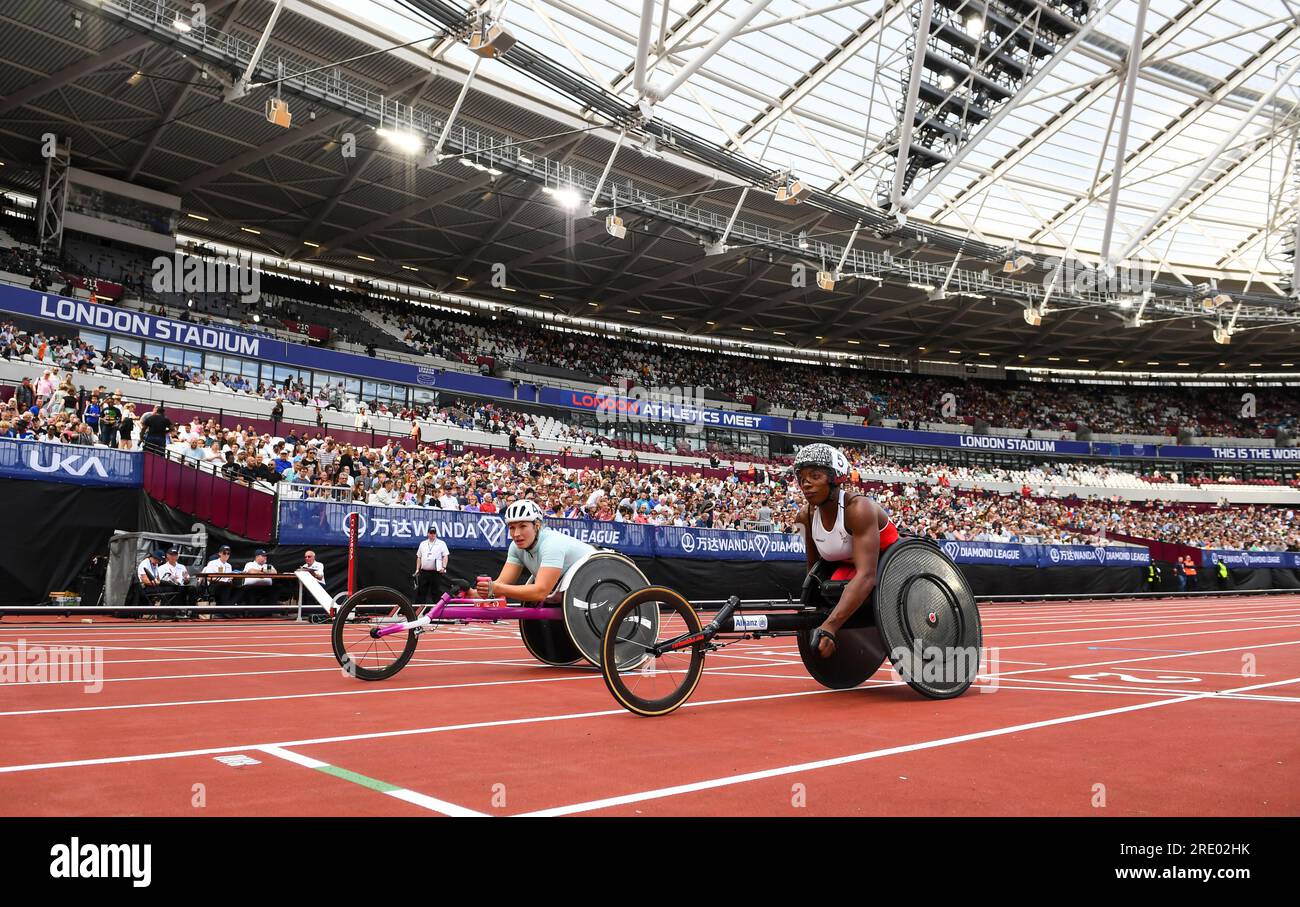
381, 735
174, 703
1126, 661
731, 780
528, 661
1123, 623
1162, 624
1197, 672
1086, 686
433, 804
1091, 642
588, 674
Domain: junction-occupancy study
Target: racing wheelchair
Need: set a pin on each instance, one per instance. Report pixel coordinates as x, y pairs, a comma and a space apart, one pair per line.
922, 616
375, 632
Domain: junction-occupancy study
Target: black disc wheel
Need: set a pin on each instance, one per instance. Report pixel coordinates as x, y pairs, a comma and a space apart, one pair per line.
360, 652
651, 685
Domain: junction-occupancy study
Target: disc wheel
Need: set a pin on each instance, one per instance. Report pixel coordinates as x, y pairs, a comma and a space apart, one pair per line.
362, 655
652, 685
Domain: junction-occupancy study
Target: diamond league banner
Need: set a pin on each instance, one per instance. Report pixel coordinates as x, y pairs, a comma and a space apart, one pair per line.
1092, 556
46, 461
1004, 554
309, 522
325, 523
999, 554
1286, 560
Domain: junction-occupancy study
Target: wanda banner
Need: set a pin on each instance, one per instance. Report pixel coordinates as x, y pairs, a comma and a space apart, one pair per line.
316, 333
99, 289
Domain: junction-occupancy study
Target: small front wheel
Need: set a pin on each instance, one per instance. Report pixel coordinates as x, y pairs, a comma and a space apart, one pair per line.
653, 685
360, 653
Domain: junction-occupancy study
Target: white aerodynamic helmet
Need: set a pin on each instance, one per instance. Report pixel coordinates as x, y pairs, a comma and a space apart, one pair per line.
524, 511
830, 458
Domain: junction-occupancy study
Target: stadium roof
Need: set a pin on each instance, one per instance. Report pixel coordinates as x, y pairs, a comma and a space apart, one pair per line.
821, 79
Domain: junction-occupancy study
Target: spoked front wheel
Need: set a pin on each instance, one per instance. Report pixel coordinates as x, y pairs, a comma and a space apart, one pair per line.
360, 653
655, 684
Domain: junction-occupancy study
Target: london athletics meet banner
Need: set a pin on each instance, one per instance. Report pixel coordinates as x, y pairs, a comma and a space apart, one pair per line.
319, 522
46, 461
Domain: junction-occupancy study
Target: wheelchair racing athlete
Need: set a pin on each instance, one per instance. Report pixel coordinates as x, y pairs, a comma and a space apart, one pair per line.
847, 532
548, 555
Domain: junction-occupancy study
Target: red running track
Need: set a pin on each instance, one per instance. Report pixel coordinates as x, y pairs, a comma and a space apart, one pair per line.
1122, 708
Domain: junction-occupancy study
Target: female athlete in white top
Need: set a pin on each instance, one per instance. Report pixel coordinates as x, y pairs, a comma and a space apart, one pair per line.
858, 533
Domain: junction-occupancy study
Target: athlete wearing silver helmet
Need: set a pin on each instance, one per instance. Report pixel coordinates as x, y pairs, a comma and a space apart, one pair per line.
846, 529
536, 551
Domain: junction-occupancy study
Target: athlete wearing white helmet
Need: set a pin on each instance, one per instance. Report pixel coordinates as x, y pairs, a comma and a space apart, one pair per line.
847, 530
544, 554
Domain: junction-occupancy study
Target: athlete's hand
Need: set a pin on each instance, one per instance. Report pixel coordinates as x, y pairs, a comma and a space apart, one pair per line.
482, 589
825, 640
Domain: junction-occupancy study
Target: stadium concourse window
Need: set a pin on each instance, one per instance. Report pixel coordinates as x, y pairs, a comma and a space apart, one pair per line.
98, 341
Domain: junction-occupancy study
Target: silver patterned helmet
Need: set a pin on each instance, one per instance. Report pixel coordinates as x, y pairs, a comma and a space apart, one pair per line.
822, 455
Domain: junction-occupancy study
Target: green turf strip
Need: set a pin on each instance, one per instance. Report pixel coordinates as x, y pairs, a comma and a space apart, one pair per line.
374, 784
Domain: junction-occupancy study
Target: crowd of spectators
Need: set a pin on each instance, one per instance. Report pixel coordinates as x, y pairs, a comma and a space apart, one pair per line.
312, 465
810, 390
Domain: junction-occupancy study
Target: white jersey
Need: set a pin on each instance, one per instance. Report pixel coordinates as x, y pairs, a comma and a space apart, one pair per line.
834, 544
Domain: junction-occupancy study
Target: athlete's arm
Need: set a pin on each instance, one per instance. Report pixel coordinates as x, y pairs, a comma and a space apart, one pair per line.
809, 548
862, 521
536, 591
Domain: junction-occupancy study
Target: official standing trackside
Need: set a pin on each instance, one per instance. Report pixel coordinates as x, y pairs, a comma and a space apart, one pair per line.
431, 559
1189, 571
221, 591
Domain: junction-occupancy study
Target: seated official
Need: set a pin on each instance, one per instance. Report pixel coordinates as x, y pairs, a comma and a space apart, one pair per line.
313, 566
175, 576
221, 591
258, 591
146, 573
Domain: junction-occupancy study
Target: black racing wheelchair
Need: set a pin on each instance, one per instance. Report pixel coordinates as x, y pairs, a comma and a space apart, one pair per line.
922, 616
